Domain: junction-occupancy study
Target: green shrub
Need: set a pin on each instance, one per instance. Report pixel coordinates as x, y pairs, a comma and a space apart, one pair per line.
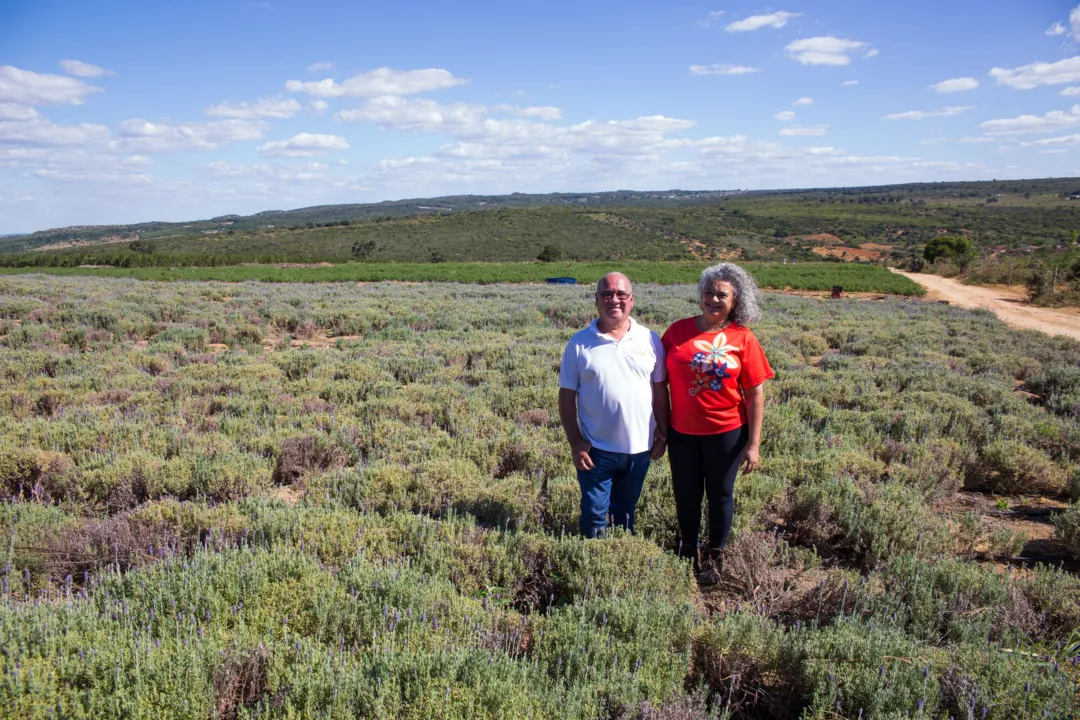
869, 523
1006, 466
1068, 527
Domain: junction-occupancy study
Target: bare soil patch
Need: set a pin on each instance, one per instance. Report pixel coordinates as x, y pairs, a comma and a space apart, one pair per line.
819, 238
274, 340
1007, 302
847, 253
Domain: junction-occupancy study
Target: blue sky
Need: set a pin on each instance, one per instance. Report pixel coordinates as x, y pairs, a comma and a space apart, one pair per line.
121, 112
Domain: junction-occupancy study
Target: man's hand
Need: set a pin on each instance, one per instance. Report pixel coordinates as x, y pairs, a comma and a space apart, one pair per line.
580, 452
750, 459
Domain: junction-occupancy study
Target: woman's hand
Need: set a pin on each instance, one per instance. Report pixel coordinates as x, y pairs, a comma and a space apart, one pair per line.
750, 459
658, 447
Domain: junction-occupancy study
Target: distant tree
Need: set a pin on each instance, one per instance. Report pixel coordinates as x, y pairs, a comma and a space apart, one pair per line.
141, 246
550, 253
362, 250
950, 247
437, 257
1041, 281
1073, 273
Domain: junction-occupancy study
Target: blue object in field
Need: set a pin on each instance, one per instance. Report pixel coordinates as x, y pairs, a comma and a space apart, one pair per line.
561, 281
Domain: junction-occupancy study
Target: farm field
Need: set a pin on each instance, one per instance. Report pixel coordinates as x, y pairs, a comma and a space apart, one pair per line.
804, 276
239, 500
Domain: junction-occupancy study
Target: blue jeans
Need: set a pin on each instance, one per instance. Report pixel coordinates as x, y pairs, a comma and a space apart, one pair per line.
612, 486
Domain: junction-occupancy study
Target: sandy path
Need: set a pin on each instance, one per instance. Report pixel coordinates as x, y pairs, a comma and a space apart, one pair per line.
1008, 303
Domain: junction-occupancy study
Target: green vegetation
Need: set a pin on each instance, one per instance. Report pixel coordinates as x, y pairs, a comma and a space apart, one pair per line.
889, 224
251, 500
820, 276
950, 247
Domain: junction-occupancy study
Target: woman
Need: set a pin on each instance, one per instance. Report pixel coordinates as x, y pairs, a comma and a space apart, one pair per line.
715, 373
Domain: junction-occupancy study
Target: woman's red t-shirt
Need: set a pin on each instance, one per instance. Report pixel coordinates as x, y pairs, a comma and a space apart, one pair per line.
706, 371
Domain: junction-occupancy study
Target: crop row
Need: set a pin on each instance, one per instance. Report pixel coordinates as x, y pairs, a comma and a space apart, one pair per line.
805, 276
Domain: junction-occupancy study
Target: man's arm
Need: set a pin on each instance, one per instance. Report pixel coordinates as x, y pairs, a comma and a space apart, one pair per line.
579, 446
661, 412
754, 398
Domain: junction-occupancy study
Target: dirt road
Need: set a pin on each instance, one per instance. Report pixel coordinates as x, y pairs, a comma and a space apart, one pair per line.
1008, 303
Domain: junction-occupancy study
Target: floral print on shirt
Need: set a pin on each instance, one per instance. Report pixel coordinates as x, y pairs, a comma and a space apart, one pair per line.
711, 364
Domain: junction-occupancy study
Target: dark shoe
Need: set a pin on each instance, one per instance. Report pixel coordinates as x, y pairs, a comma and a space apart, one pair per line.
711, 566
690, 553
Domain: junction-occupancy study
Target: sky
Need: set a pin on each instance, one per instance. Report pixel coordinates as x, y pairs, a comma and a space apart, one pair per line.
125, 112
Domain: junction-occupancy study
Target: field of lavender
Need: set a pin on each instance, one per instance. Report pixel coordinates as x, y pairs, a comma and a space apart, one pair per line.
279, 500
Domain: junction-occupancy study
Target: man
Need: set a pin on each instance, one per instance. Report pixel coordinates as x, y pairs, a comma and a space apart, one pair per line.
613, 406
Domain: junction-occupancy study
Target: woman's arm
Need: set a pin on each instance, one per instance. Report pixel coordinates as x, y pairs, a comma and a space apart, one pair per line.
754, 397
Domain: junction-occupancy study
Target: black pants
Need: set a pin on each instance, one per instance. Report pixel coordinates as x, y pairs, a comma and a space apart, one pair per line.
705, 464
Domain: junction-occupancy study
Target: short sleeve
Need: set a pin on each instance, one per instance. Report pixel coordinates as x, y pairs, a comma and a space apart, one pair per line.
666, 341
659, 373
756, 368
568, 369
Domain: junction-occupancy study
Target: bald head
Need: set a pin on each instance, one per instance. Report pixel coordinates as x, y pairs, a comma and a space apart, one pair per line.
611, 280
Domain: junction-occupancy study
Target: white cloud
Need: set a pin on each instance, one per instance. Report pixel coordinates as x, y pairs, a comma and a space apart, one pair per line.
268, 173
384, 81
305, 145
93, 168
275, 107
955, 85
318, 107
420, 114
784, 115
755, 22
1074, 22
75, 67
719, 69
848, 83
1055, 29
480, 138
1031, 76
142, 136
544, 112
871, 53
1050, 122
803, 101
320, 67
924, 114
30, 88
1062, 140
15, 112
805, 130
713, 17
39, 132
823, 50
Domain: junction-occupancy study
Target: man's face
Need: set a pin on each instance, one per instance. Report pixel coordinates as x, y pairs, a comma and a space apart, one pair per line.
614, 301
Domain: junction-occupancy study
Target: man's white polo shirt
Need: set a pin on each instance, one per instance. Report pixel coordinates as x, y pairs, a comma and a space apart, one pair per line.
613, 380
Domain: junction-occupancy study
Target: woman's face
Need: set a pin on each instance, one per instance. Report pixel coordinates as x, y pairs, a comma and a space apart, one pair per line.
717, 299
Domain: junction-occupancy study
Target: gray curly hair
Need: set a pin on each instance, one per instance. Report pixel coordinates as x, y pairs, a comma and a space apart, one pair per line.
746, 309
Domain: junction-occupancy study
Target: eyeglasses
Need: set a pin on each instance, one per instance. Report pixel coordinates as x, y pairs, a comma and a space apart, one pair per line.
617, 294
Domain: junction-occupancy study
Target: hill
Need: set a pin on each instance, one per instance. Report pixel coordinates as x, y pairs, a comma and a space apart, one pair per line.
853, 224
